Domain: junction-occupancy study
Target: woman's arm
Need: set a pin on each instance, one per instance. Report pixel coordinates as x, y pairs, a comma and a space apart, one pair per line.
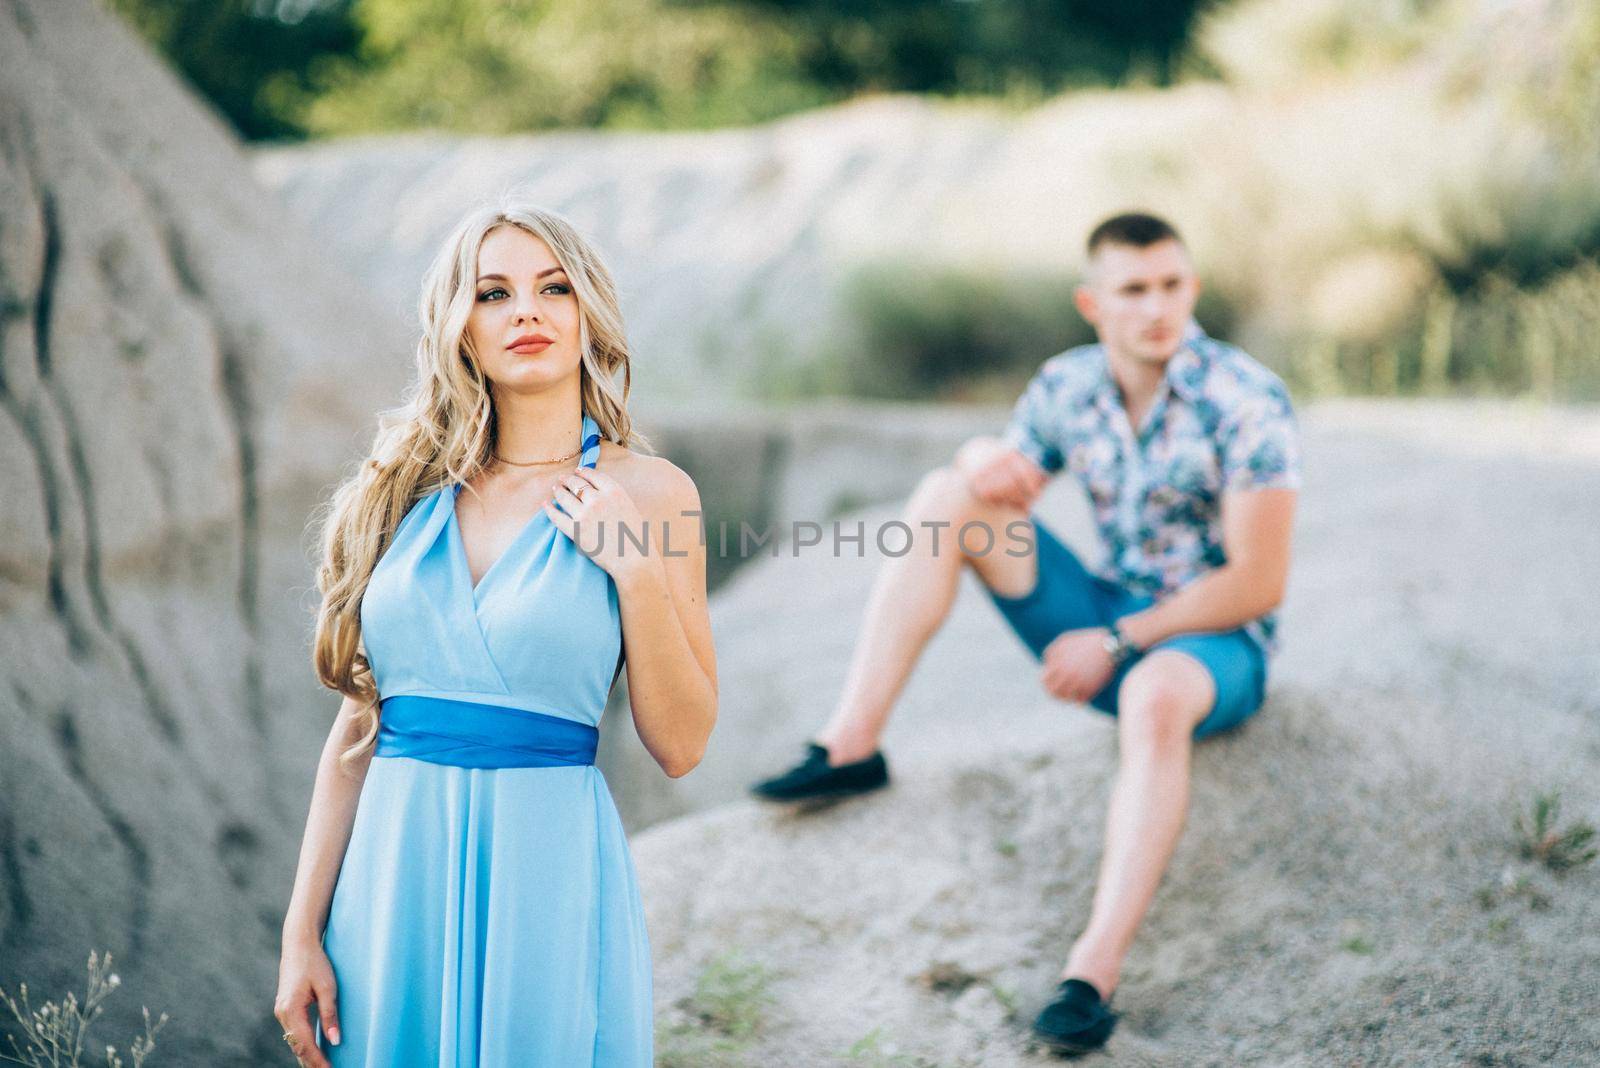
666, 627
304, 974
666, 630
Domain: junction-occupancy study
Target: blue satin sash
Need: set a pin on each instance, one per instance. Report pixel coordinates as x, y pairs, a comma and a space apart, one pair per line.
469, 735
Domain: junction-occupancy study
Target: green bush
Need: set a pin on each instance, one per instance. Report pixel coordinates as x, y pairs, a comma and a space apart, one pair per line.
1492, 337
503, 66
507, 66
1272, 43
952, 333
920, 331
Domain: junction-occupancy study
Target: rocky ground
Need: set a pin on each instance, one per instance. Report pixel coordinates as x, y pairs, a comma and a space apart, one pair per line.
1349, 890
184, 373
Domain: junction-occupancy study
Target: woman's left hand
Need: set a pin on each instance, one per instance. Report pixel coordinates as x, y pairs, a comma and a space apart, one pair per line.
593, 509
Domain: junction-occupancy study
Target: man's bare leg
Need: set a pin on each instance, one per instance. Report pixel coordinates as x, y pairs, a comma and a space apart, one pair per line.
911, 596
1161, 701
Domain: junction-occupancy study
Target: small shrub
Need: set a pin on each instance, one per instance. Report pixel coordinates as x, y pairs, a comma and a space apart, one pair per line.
1354, 937
732, 996
1541, 838
1360, 945
720, 1019
57, 1033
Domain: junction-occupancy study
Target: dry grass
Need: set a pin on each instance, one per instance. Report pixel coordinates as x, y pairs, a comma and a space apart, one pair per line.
56, 1034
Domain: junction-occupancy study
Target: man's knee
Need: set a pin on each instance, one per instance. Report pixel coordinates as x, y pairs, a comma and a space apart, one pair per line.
976, 531
1163, 698
942, 491
944, 500
945, 494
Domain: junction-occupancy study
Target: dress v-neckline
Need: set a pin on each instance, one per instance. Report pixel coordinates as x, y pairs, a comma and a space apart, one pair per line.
586, 437
461, 544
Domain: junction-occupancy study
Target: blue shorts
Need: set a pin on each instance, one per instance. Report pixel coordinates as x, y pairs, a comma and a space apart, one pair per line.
1067, 597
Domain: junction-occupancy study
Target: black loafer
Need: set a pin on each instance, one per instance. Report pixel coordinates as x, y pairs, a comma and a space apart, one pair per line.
1077, 1021
812, 778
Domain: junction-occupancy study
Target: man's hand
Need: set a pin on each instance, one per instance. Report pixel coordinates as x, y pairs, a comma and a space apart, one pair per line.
999, 474
1076, 664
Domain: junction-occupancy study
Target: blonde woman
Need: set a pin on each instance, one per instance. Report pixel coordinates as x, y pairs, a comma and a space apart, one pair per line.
479, 906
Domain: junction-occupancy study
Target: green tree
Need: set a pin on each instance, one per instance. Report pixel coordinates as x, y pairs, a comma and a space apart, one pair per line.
253, 59
500, 66
985, 46
280, 68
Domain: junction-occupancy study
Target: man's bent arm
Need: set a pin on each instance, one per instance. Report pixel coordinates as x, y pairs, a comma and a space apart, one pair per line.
1256, 529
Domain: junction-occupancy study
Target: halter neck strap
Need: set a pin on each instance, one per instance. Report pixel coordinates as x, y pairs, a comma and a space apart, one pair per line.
591, 442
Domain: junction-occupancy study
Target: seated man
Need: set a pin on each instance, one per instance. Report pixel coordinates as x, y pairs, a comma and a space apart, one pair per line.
1188, 450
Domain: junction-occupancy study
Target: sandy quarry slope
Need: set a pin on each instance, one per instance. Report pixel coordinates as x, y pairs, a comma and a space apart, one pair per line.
176, 390
1346, 892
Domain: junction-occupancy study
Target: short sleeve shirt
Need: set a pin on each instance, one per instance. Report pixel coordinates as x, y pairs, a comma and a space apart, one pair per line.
1220, 421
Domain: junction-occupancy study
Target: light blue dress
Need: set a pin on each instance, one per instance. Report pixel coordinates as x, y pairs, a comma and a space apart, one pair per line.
486, 912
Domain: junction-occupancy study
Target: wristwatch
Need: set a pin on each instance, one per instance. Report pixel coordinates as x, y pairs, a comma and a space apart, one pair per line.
1117, 644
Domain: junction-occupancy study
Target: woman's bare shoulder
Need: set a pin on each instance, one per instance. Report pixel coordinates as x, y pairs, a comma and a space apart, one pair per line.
655, 483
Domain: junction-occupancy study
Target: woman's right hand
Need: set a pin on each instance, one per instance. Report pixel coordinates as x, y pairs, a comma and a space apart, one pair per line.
305, 975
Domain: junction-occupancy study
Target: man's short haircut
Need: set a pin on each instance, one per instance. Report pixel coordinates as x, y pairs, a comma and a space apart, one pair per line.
1132, 228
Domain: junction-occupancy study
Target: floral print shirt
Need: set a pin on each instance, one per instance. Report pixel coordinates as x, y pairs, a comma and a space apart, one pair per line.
1220, 421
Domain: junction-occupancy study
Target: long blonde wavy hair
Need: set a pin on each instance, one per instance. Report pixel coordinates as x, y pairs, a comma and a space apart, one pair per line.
444, 430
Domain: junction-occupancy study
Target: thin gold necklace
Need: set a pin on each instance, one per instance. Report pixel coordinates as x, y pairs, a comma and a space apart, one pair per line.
539, 463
